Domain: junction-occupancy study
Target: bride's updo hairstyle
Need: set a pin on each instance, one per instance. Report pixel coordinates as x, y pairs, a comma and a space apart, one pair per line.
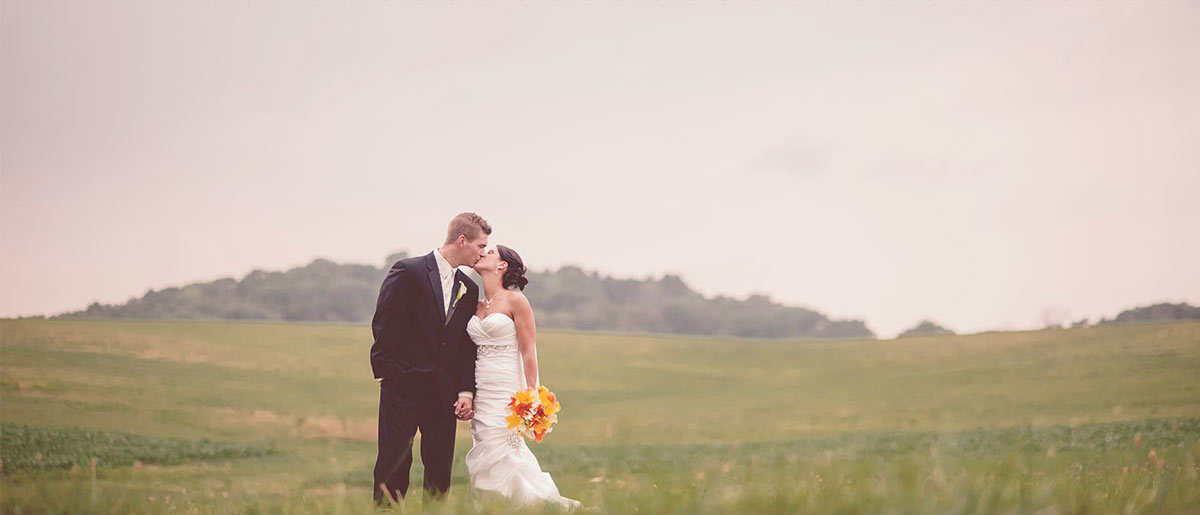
515, 275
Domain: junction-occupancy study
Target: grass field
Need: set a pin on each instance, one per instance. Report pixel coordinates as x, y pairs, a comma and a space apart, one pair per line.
135, 417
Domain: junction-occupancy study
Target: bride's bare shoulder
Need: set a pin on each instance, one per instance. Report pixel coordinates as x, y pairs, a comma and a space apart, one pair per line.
518, 299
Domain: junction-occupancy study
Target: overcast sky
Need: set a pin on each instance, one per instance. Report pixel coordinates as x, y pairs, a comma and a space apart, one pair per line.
977, 163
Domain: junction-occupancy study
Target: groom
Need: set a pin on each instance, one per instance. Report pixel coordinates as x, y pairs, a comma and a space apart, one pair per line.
424, 360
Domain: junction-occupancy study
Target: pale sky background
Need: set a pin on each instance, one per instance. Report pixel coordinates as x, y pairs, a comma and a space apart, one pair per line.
977, 163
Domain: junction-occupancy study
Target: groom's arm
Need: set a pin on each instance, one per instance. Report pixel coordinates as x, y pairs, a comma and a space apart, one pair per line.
466, 371
466, 363
387, 324
464, 406
478, 297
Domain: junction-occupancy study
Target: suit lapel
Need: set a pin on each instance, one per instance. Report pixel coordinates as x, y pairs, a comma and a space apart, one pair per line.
435, 283
453, 295
461, 282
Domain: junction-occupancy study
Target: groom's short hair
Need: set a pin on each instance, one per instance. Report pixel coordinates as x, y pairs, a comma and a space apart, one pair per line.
470, 225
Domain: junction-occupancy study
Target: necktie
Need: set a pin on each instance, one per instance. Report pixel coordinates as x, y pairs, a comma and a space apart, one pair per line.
453, 293
447, 291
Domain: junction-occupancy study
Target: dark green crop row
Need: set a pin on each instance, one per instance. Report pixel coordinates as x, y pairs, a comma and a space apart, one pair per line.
25, 448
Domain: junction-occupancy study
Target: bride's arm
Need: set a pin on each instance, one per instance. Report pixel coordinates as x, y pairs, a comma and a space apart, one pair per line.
526, 338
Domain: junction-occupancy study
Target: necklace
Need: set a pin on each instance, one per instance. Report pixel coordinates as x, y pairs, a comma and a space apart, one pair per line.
487, 303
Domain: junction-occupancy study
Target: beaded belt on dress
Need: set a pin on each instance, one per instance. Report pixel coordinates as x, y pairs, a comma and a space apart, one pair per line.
491, 350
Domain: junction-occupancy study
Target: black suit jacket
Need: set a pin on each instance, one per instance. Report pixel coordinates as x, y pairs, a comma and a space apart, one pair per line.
418, 347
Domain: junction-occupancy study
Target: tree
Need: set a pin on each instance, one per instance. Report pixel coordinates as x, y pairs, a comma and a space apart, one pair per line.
393, 258
925, 328
1157, 312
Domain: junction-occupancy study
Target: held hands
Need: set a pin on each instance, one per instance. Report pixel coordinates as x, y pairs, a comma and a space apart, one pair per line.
464, 408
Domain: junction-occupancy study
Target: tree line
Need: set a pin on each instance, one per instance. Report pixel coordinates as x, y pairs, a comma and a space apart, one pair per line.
1154, 313
567, 298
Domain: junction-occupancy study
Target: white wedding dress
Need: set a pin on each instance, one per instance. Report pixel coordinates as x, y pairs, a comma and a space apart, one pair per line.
499, 461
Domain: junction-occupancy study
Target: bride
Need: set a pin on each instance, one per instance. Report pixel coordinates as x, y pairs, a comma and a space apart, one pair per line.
504, 332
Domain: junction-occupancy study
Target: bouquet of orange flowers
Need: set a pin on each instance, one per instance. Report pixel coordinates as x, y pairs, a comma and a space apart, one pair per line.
533, 412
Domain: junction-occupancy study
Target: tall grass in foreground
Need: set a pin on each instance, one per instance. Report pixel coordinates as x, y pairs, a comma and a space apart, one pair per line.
1149, 466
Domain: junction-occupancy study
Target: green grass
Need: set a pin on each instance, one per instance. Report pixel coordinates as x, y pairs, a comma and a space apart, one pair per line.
1052, 421
26, 448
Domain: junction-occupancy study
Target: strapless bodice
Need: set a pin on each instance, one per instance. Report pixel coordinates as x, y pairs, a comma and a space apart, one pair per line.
492, 330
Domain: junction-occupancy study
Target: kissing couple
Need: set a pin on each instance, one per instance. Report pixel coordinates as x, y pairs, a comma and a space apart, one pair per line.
444, 352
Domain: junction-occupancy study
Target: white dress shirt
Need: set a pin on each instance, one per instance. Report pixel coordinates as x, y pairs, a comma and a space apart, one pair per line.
447, 274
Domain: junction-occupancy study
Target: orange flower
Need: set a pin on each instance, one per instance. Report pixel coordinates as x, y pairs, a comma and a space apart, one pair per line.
513, 421
549, 400
522, 402
524, 397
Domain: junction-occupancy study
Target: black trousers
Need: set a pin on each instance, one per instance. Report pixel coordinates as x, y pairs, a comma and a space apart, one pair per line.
401, 414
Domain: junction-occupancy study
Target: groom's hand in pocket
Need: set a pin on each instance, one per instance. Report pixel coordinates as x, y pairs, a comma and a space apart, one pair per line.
463, 408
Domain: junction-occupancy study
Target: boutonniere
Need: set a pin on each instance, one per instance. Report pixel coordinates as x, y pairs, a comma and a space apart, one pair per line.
462, 290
